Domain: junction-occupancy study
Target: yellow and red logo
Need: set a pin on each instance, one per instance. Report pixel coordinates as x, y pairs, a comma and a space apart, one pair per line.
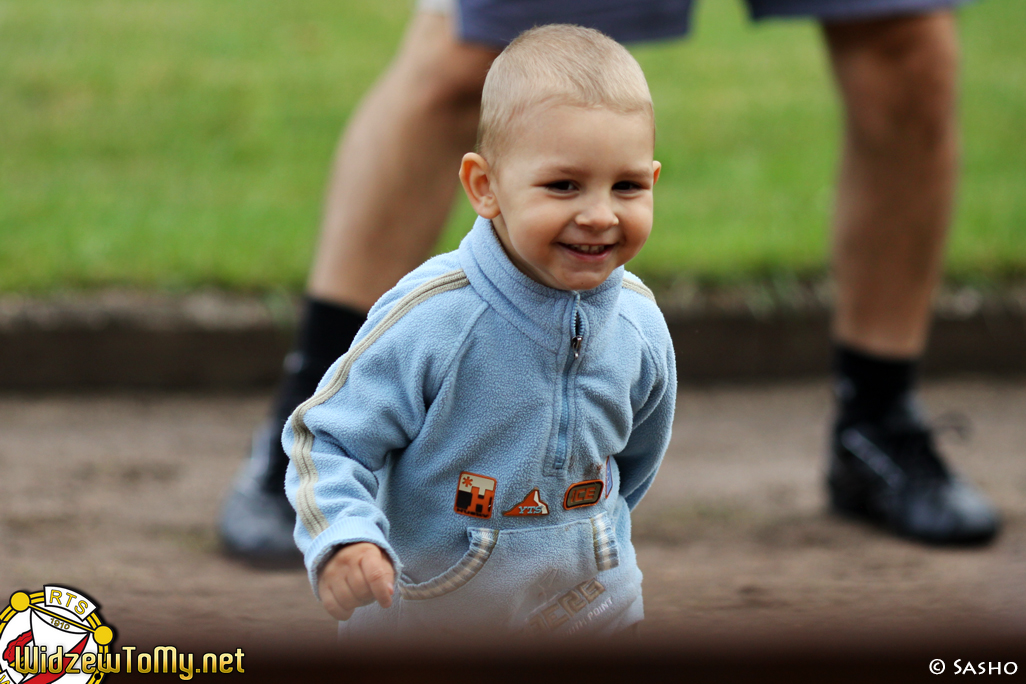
54, 634
57, 635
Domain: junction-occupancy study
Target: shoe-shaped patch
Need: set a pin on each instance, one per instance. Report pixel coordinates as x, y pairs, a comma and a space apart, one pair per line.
475, 495
531, 505
583, 494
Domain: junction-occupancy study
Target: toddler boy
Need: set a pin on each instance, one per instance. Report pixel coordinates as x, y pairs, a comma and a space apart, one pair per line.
471, 462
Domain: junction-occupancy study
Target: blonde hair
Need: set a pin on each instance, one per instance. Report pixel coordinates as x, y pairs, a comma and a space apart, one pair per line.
558, 63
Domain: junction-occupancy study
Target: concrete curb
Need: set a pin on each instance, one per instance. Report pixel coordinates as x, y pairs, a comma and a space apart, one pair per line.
199, 341
219, 341
744, 349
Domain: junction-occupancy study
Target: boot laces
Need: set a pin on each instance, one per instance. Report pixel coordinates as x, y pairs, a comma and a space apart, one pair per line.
914, 444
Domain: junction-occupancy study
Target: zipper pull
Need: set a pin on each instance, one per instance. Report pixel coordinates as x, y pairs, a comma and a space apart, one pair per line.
577, 338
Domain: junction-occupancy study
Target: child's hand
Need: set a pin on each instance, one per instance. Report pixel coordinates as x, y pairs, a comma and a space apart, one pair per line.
358, 574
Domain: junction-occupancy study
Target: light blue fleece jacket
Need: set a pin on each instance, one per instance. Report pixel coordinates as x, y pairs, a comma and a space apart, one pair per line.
490, 434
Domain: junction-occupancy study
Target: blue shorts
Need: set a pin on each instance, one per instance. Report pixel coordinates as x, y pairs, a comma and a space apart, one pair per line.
496, 22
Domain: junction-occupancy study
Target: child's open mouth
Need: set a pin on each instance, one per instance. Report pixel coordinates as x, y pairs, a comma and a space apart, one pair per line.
590, 250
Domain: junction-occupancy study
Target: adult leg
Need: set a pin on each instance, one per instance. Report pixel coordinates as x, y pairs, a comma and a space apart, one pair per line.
897, 79
397, 165
394, 177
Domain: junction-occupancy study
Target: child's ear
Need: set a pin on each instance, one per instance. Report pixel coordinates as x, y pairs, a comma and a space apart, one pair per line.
656, 168
476, 176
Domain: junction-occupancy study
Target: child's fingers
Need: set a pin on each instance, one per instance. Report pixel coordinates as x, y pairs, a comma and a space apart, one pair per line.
356, 575
381, 578
332, 605
358, 586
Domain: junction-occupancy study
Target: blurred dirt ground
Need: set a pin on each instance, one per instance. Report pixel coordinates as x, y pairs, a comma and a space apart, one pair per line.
116, 495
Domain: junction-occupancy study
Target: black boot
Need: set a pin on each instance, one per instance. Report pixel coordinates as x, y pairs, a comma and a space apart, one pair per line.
884, 464
257, 521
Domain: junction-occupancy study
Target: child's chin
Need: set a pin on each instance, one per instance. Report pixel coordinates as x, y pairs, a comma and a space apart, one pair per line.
588, 282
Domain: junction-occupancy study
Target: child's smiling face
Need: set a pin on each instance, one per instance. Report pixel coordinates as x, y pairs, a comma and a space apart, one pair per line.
571, 195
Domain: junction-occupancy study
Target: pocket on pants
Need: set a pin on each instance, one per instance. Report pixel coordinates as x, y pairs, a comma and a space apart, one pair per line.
482, 542
507, 574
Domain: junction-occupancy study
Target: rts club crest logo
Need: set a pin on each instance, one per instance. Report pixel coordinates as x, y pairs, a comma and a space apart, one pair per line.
52, 635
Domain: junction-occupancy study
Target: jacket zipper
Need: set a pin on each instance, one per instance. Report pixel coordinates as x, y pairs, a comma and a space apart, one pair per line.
576, 340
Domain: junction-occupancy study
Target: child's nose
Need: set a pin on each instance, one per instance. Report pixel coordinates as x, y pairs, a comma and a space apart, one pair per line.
598, 215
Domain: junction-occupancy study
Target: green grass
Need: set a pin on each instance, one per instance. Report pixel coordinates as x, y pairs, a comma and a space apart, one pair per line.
179, 144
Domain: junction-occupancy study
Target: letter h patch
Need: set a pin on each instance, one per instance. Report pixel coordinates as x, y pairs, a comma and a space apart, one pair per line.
475, 495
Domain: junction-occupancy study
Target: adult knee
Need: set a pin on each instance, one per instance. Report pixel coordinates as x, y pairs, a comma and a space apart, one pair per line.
898, 79
440, 74
453, 81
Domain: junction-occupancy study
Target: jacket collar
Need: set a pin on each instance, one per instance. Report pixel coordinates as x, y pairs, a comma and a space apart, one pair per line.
544, 314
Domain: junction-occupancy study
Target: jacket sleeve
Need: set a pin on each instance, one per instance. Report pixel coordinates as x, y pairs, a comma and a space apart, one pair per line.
653, 419
372, 402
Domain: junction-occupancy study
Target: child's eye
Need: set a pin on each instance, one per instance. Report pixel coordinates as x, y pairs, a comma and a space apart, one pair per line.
562, 186
626, 186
